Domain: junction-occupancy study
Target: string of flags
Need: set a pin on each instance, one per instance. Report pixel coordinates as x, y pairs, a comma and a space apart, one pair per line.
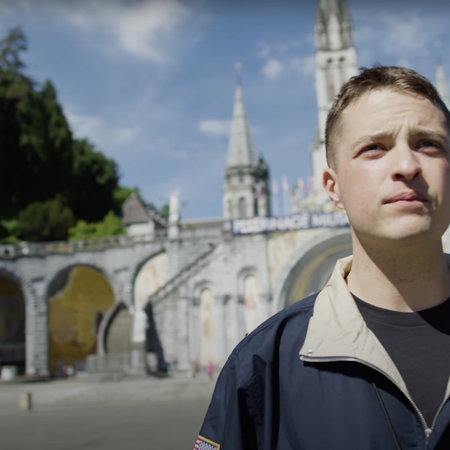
290, 194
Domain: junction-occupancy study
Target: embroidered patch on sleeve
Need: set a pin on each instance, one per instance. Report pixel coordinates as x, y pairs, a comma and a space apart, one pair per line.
205, 444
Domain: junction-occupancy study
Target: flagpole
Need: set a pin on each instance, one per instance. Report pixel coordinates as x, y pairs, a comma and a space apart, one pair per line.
275, 197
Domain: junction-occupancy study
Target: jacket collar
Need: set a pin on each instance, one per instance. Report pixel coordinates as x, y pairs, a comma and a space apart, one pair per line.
338, 331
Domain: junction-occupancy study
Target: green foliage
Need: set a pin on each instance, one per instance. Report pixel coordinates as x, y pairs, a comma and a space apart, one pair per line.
45, 221
9, 231
41, 161
165, 211
10, 48
111, 225
35, 139
94, 180
122, 193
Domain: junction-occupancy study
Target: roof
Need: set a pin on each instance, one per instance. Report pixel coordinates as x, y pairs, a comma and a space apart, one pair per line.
240, 151
134, 211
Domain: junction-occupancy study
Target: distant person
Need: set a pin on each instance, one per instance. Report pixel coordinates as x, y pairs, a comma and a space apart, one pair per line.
210, 370
194, 368
365, 363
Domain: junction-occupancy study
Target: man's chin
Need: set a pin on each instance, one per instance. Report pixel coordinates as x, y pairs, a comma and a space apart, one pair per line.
401, 232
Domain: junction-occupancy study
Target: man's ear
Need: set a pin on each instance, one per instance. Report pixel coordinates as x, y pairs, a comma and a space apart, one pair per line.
331, 185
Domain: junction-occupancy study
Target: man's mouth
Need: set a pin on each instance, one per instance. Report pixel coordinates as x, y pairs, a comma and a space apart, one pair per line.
407, 196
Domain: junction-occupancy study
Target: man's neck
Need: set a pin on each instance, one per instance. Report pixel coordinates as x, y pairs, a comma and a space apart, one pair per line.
405, 279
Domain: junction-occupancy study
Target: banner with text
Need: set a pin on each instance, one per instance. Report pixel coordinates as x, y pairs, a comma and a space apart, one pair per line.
303, 221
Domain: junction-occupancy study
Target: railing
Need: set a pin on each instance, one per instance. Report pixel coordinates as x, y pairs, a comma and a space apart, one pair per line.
181, 277
67, 247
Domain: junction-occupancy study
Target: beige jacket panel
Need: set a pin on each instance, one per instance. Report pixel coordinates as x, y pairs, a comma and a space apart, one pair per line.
338, 330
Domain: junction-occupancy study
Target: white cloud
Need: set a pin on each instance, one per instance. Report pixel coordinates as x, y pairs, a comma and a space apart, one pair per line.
305, 65
84, 126
143, 28
273, 69
139, 27
127, 135
412, 33
214, 128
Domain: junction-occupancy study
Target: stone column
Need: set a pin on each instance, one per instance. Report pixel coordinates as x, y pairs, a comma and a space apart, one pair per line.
36, 328
232, 325
182, 334
138, 351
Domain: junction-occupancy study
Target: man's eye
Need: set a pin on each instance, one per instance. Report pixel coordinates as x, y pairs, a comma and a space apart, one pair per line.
372, 148
428, 144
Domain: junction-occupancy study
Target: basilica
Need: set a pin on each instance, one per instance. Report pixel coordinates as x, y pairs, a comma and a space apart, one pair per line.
183, 292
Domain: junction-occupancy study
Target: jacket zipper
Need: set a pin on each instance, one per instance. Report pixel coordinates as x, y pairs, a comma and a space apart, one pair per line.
438, 412
426, 430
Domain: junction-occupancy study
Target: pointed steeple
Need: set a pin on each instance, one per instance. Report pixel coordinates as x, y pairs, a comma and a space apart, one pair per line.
240, 151
333, 25
441, 84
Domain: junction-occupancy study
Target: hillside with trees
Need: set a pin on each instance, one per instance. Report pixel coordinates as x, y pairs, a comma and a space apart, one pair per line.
52, 185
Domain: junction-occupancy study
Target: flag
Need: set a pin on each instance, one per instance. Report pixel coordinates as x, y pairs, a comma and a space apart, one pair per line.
275, 187
312, 188
205, 444
285, 184
301, 185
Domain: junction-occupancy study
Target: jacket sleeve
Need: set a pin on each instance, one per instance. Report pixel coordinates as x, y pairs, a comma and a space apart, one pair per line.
231, 420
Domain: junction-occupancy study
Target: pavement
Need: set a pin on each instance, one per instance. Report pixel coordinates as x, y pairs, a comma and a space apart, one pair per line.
131, 414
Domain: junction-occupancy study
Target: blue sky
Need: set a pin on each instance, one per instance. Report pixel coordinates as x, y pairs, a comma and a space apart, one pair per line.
151, 83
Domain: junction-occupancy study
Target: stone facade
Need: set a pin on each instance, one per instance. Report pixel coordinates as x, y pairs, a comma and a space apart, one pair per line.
204, 286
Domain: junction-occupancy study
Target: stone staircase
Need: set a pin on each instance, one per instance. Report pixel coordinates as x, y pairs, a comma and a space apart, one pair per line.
181, 277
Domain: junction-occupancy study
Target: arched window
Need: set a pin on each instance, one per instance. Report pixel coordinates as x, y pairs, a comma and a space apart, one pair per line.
252, 316
255, 207
242, 208
229, 209
207, 328
330, 81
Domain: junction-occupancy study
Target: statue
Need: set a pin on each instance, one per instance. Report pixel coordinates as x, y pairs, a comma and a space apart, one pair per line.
174, 208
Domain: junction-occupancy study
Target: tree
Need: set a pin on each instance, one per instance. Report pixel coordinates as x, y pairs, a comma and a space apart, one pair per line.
34, 135
94, 181
10, 48
40, 161
111, 225
45, 221
122, 193
165, 211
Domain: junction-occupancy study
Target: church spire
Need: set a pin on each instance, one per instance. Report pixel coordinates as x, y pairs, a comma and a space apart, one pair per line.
246, 186
441, 84
240, 151
333, 28
335, 64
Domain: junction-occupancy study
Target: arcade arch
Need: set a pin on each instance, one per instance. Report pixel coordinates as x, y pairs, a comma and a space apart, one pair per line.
12, 323
309, 273
79, 297
152, 275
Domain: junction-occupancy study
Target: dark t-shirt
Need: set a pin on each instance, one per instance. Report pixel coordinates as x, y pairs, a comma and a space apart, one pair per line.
419, 345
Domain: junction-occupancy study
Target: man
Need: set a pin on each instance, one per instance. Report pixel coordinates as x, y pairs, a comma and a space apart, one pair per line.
364, 364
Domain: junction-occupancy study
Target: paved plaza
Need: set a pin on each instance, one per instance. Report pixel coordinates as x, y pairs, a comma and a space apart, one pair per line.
148, 414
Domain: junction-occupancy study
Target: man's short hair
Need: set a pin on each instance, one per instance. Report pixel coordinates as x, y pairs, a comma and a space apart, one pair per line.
378, 77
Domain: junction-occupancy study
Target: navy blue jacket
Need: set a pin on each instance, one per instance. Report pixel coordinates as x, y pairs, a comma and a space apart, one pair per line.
268, 397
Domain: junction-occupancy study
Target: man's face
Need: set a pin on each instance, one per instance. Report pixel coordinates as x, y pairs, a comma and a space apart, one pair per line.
393, 167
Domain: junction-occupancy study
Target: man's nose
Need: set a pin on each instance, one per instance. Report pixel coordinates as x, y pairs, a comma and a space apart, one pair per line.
405, 163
